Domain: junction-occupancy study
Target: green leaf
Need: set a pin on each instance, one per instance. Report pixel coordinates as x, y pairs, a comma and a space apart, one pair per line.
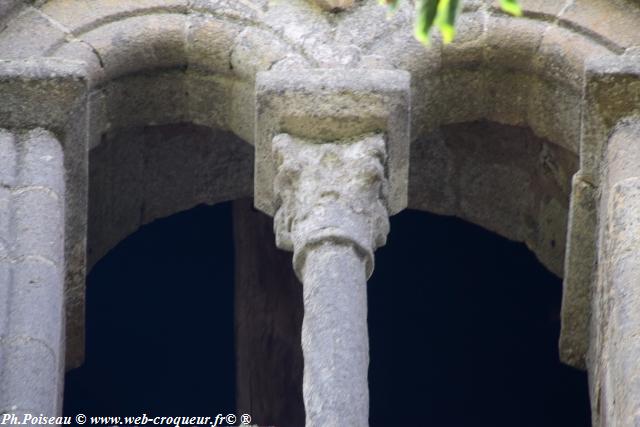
446, 19
425, 17
511, 6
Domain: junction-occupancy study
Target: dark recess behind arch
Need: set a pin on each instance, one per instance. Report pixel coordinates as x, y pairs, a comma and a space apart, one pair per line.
463, 327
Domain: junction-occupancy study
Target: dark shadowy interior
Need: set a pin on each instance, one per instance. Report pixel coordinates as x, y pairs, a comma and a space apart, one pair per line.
463, 327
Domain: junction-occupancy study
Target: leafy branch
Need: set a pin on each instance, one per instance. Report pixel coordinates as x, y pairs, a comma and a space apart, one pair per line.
442, 14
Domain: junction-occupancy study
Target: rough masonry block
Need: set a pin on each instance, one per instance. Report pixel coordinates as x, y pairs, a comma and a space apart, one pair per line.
40, 92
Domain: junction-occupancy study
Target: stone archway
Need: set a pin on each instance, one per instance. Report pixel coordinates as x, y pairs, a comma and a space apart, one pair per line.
567, 70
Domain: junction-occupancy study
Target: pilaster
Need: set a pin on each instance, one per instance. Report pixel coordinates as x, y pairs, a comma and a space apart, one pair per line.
611, 93
32, 261
51, 94
600, 326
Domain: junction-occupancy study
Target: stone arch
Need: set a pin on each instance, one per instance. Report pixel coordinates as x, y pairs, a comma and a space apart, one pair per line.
147, 64
526, 72
567, 71
503, 178
140, 174
155, 62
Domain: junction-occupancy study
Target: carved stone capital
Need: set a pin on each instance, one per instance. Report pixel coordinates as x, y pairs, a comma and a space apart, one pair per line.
334, 191
329, 105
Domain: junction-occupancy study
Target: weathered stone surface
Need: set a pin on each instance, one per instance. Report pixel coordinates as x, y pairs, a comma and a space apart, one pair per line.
579, 268
527, 179
17, 42
330, 191
94, 70
7, 9
146, 99
554, 113
248, 11
140, 43
615, 342
32, 272
611, 93
332, 214
512, 43
613, 20
210, 42
310, 104
81, 16
335, 5
29, 377
136, 176
245, 62
40, 92
562, 55
335, 340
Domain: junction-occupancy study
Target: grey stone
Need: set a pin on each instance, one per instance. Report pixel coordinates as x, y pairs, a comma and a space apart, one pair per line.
309, 104
335, 337
18, 43
579, 267
615, 321
335, 5
161, 100
29, 379
155, 41
36, 302
332, 214
40, 93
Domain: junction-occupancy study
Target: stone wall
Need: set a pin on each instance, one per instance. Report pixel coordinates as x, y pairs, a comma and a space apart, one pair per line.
142, 174
500, 119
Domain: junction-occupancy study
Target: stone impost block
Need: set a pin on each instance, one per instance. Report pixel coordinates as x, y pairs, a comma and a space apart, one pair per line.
328, 105
41, 93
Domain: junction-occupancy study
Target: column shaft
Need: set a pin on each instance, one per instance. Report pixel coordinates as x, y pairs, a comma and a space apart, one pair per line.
31, 273
335, 339
333, 216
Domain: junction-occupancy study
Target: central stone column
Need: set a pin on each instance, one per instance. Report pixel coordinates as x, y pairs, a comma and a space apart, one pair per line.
332, 154
333, 215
